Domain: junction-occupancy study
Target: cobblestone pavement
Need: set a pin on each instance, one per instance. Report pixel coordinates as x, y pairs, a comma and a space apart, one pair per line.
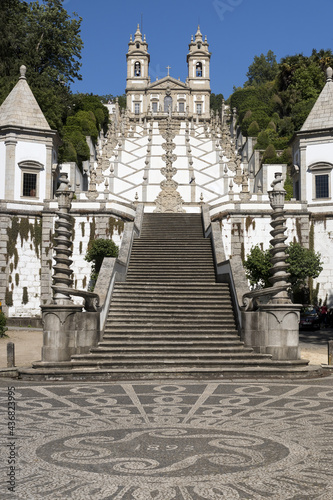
170, 440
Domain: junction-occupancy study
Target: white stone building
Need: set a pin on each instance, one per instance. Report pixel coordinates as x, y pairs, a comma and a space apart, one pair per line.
212, 164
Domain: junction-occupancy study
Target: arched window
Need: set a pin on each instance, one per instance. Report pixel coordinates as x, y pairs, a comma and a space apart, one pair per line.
137, 45
198, 69
30, 171
137, 69
321, 180
167, 103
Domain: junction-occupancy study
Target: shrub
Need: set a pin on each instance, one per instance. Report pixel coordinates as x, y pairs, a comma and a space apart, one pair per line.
253, 129
98, 249
3, 328
269, 153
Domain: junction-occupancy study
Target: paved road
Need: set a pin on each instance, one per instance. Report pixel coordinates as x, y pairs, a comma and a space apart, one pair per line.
173, 440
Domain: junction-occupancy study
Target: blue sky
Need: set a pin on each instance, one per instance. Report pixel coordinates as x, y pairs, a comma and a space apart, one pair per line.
237, 30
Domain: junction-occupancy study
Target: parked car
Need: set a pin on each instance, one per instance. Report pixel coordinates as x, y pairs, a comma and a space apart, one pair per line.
309, 318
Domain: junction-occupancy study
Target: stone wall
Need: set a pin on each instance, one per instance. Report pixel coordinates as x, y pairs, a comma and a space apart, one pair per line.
322, 230
23, 265
241, 232
26, 256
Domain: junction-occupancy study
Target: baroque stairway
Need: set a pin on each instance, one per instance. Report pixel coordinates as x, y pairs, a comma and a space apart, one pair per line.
170, 318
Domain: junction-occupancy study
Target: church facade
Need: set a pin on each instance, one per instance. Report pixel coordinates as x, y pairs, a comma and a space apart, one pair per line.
189, 98
167, 151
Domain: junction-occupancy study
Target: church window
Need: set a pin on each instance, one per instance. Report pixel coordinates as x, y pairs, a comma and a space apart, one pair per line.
199, 108
321, 179
137, 45
322, 190
154, 104
198, 69
137, 69
30, 173
29, 184
181, 107
167, 103
137, 108
199, 46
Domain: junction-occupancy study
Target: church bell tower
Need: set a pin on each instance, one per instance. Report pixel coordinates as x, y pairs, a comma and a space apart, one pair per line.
137, 73
198, 60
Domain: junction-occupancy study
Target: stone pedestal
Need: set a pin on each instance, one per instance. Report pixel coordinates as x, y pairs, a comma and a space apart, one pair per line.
273, 329
67, 331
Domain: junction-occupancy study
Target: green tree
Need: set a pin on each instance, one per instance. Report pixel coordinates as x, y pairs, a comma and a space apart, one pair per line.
3, 328
288, 186
303, 264
263, 69
253, 129
216, 102
46, 39
269, 155
257, 265
98, 249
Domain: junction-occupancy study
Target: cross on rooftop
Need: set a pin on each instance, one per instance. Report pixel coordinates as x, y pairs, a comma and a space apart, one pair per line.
168, 68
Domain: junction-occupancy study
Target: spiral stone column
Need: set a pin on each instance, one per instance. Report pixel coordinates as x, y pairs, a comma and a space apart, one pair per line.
272, 328
61, 320
279, 267
62, 277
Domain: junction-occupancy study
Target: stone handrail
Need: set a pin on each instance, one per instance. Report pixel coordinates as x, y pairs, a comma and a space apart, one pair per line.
250, 299
227, 270
115, 269
91, 299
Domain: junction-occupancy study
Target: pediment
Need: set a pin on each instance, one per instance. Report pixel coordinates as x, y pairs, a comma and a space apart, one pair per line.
166, 82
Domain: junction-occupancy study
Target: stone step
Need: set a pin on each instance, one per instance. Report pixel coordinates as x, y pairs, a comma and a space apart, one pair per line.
197, 243
176, 300
159, 350
190, 272
152, 343
181, 331
171, 320
169, 312
155, 307
174, 362
190, 267
155, 358
181, 289
66, 371
171, 279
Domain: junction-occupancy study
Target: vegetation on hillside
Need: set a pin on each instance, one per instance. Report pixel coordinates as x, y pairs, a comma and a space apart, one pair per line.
273, 103
277, 97
46, 39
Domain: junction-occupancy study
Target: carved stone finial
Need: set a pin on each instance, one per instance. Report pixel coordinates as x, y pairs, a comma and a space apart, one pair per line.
169, 200
329, 74
23, 70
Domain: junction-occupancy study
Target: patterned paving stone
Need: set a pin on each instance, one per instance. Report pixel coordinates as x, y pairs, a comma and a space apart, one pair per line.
170, 441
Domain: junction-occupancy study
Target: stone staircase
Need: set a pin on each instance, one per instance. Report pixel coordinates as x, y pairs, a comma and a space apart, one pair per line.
170, 318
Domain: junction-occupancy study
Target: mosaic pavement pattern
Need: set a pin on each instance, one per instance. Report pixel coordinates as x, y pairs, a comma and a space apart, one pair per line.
171, 441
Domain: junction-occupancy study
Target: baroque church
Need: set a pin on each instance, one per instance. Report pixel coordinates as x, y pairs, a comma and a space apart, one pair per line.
168, 152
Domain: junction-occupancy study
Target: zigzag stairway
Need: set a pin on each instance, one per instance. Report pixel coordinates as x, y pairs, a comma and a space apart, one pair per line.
170, 318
